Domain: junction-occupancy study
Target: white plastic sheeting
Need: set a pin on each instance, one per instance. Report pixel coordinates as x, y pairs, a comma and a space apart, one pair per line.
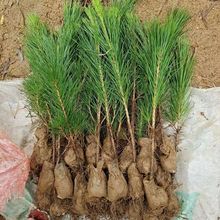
199, 154
14, 116
199, 151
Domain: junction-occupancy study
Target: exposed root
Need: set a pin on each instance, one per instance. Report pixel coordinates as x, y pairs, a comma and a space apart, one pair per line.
135, 210
119, 208
106, 191
60, 207
98, 207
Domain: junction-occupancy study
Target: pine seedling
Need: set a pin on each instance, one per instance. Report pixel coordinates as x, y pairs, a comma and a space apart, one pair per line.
97, 82
56, 80
155, 58
178, 104
103, 56
117, 66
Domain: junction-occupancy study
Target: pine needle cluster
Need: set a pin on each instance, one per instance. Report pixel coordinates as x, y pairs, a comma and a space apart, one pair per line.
56, 81
106, 70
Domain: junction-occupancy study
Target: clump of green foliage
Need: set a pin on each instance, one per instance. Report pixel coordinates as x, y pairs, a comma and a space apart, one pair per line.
165, 73
182, 72
106, 56
56, 81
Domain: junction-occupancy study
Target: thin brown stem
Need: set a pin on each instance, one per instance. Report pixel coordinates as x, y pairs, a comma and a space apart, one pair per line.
60, 101
119, 129
131, 134
106, 104
54, 149
153, 141
58, 149
98, 128
154, 105
133, 107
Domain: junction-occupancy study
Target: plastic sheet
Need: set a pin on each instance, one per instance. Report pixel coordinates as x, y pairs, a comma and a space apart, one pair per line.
198, 171
15, 120
14, 170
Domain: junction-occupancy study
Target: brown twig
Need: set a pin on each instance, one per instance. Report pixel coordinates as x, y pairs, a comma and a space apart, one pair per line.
133, 107
54, 149
58, 149
204, 14
162, 7
5, 67
98, 128
154, 111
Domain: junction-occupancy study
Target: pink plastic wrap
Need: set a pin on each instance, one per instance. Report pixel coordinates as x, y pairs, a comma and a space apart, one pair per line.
14, 170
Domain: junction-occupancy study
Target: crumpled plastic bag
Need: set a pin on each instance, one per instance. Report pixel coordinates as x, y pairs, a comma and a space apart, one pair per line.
19, 208
14, 170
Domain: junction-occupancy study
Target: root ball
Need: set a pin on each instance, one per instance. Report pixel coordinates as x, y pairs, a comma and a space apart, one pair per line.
135, 182
157, 197
63, 181
117, 185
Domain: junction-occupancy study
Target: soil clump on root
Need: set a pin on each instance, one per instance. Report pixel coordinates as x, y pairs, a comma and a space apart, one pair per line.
113, 190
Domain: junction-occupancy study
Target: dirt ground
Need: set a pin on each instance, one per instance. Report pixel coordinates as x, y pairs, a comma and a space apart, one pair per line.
203, 29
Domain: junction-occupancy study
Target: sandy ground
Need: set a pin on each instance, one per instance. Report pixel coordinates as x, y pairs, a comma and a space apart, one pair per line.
203, 30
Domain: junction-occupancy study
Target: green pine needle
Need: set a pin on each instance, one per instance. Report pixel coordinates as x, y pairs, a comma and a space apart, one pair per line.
178, 105
155, 56
55, 83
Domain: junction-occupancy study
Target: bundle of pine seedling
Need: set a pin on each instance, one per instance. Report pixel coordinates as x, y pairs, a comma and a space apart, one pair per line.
101, 86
